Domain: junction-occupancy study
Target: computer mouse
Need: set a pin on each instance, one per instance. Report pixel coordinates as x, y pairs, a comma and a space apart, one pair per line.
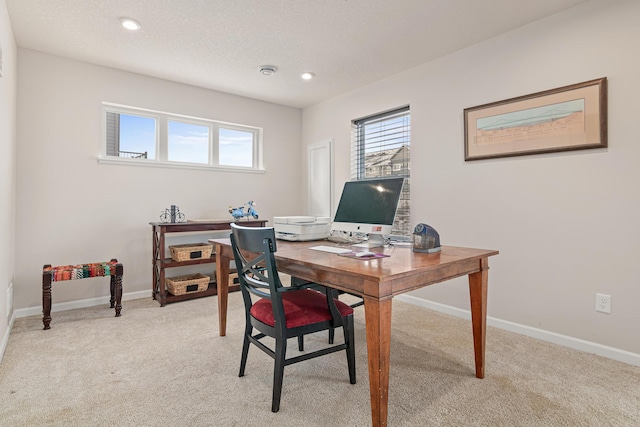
364, 253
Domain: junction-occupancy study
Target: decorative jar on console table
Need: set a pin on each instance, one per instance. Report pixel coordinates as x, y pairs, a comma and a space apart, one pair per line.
161, 260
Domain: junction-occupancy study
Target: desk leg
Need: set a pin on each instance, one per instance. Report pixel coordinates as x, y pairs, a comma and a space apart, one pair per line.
478, 286
222, 285
378, 329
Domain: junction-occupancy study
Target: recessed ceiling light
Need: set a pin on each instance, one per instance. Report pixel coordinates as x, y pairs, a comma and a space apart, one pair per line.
307, 76
268, 70
130, 24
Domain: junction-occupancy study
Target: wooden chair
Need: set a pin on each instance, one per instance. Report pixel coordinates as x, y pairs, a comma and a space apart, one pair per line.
283, 312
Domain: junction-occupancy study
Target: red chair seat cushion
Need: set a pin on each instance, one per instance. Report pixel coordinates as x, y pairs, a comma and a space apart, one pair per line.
301, 308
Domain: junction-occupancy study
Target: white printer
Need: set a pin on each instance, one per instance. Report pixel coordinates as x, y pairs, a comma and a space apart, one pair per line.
301, 228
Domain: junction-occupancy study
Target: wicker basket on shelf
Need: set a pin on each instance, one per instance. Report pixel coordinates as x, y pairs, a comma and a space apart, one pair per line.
189, 251
233, 278
187, 283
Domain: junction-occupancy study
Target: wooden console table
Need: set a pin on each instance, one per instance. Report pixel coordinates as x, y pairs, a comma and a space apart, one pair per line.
161, 262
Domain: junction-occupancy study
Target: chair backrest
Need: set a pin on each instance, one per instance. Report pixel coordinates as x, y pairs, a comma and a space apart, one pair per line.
253, 251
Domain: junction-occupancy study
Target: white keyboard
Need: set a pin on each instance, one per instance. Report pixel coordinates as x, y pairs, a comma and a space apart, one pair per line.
332, 249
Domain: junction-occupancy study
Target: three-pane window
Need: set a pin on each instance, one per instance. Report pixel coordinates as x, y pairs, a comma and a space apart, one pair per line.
162, 138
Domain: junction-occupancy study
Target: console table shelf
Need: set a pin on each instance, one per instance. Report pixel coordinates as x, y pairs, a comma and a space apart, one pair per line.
169, 262
161, 262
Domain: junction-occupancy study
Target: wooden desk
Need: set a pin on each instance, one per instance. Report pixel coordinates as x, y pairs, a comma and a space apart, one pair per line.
378, 281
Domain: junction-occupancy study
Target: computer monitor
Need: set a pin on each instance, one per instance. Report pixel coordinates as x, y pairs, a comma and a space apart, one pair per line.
368, 206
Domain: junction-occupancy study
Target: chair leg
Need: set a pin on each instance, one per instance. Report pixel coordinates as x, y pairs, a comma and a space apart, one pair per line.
332, 331
349, 339
300, 342
278, 373
245, 349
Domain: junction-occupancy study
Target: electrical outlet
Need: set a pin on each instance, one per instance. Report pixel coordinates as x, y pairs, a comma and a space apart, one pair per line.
603, 303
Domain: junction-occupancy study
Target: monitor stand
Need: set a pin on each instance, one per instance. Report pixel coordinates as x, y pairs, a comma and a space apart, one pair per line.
375, 241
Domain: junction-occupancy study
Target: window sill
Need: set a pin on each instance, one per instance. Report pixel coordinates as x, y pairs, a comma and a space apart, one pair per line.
174, 165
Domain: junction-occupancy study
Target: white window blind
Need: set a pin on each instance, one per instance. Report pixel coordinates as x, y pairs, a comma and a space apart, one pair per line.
381, 147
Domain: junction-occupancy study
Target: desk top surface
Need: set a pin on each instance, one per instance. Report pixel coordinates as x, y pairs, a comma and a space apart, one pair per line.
402, 264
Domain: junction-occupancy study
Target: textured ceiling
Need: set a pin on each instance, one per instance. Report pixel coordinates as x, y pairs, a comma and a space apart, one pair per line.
220, 44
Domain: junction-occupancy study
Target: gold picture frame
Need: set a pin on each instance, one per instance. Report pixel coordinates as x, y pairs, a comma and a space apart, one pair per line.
572, 117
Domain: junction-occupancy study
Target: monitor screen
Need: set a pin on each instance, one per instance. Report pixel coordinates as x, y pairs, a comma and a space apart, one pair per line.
368, 206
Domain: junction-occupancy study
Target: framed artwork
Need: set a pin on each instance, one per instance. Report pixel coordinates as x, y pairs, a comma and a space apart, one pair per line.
567, 118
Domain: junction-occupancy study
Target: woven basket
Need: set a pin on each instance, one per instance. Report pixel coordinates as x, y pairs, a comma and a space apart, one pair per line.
233, 279
190, 251
187, 284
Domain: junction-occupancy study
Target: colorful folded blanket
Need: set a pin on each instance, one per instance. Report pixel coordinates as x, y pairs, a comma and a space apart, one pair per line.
81, 271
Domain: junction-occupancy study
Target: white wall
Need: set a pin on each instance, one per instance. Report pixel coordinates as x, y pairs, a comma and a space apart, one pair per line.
8, 84
566, 223
71, 209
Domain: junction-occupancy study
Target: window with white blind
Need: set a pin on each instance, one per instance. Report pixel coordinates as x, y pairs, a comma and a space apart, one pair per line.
380, 148
138, 136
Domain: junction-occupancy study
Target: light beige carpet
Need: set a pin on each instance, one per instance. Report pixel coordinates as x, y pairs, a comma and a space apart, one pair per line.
167, 366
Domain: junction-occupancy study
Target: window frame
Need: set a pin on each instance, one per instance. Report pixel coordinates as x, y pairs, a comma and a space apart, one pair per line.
359, 167
257, 148
162, 141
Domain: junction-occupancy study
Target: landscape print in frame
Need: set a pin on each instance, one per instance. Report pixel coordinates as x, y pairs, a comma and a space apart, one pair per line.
568, 118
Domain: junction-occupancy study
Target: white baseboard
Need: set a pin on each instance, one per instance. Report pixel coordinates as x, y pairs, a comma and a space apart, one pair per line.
70, 305
5, 338
552, 337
